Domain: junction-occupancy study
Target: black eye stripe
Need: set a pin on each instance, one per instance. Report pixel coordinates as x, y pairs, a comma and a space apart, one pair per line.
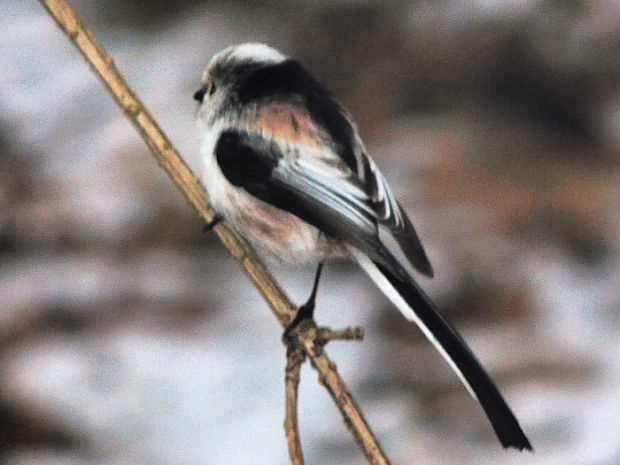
206, 89
200, 95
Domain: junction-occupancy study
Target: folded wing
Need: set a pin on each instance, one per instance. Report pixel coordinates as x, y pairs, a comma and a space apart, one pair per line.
318, 187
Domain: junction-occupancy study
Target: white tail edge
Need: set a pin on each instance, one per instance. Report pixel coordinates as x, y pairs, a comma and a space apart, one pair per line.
409, 313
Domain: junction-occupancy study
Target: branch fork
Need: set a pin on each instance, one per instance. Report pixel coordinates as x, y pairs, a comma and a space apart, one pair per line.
298, 341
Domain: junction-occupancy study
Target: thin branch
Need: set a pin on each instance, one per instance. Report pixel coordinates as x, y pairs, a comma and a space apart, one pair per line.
170, 161
294, 359
296, 343
349, 334
312, 341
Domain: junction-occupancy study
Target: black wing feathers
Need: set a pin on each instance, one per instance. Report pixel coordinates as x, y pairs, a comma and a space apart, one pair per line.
249, 161
410, 244
244, 162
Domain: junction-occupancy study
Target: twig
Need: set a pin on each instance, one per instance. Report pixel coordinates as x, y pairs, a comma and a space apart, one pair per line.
304, 335
170, 161
295, 357
325, 335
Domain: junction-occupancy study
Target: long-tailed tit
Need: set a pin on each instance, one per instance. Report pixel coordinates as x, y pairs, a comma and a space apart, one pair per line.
284, 165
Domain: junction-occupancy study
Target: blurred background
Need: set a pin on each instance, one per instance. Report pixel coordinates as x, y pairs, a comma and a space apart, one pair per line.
128, 336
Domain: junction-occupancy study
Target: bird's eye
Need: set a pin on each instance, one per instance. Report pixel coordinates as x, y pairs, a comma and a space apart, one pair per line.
212, 89
200, 95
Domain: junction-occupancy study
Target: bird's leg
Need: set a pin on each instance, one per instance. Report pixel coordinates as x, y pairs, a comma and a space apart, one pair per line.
307, 309
217, 219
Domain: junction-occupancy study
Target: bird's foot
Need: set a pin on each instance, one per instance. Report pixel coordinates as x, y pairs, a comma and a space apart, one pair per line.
305, 312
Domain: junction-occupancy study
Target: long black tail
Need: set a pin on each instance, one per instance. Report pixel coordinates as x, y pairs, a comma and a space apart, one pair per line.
405, 293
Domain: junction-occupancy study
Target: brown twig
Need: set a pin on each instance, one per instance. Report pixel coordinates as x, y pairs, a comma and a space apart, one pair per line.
325, 335
304, 335
170, 161
295, 357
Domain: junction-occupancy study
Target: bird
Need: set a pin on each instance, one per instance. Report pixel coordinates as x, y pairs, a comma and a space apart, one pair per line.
284, 165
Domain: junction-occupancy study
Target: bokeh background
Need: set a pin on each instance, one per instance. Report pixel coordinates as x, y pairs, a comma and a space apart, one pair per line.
128, 337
